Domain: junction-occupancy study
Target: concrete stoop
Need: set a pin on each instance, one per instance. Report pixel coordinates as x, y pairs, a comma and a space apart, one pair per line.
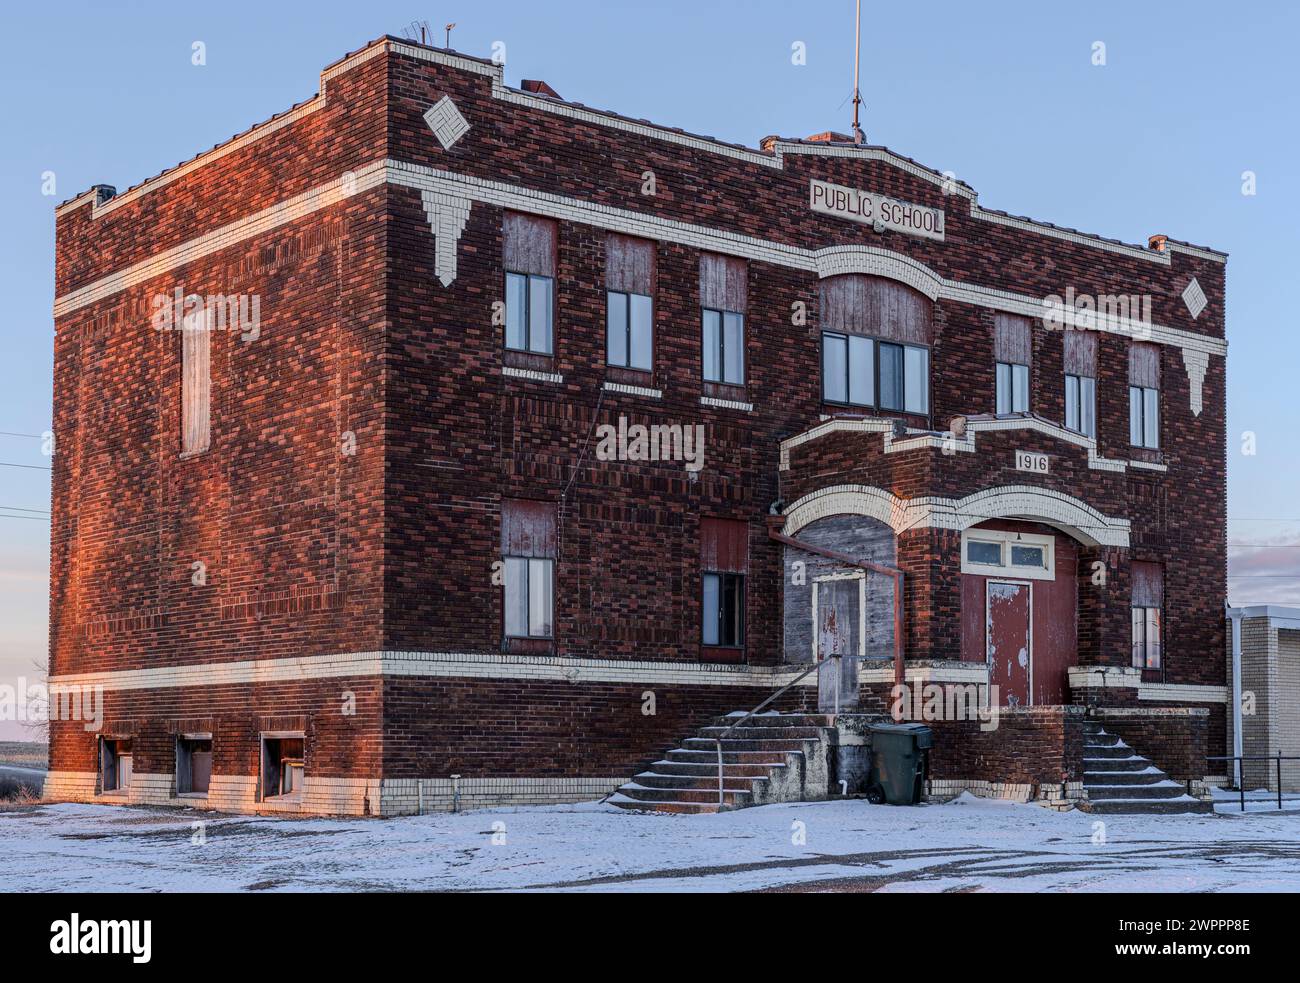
771, 757
1119, 780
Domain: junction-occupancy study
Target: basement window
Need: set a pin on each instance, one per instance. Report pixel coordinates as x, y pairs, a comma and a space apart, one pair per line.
193, 764
115, 764
282, 766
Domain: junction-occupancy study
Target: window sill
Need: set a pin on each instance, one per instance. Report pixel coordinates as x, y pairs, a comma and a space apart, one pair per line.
531, 374
726, 404
628, 389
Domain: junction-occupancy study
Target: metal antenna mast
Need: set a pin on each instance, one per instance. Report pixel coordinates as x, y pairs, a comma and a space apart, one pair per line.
858, 136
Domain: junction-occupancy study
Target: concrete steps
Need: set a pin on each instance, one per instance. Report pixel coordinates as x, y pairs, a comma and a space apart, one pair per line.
1119, 780
762, 758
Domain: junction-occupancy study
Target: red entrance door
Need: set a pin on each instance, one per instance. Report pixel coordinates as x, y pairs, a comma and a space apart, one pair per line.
1009, 647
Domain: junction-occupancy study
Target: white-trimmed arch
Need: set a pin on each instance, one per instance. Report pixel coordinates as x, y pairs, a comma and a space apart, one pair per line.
1073, 516
873, 261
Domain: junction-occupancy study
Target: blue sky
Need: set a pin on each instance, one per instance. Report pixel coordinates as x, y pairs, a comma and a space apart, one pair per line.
1003, 94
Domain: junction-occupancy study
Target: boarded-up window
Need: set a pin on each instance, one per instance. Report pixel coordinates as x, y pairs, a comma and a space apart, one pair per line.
723, 283
629, 265
724, 545
527, 528
1081, 353
1144, 365
196, 386
1148, 584
528, 244
1012, 340
858, 304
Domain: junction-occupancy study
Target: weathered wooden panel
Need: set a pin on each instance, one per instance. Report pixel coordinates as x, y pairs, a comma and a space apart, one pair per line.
630, 265
1012, 339
854, 535
868, 305
528, 244
1144, 365
1081, 353
1148, 584
724, 545
724, 283
196, 388
527, 528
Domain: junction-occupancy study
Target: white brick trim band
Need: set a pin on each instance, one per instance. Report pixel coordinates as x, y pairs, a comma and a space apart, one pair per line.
1070, 514
949, 443
449, 187
461, 665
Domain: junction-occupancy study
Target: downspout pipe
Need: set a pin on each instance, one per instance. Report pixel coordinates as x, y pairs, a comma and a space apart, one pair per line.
896, 574
1234, 615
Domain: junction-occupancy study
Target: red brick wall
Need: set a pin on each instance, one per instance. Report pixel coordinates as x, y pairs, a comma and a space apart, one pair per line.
1176, 739
1031, 745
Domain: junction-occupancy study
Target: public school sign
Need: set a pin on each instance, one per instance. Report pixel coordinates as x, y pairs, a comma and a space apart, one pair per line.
875, 210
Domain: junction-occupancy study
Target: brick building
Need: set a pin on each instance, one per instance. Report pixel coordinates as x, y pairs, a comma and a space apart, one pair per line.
352, 493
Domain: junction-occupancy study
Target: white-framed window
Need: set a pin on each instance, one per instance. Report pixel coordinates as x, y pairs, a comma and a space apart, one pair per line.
904, 377
724, 347
991, 552
1081, 405
529, 311
1143, 416
629, 336
530, 596
1012, 384
1146, 638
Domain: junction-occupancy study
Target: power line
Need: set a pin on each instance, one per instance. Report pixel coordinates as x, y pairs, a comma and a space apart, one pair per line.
33, 467
10, 433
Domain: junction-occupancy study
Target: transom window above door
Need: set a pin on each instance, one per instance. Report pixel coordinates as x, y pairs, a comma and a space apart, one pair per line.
993, 552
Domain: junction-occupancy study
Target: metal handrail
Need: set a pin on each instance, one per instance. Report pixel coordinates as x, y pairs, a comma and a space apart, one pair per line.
1241, 777
777, 695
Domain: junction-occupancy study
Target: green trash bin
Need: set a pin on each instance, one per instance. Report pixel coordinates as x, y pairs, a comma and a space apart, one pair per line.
900, 757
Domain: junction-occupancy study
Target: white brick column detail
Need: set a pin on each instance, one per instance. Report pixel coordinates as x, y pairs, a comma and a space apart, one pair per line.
1196, 364
447, 217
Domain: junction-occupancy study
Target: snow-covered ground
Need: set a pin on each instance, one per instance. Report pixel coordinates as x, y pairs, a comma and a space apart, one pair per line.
968, 844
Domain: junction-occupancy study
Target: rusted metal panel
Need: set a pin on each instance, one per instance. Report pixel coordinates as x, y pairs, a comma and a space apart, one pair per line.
1012, 339
1144, 365
1081, 353
1148, 584
1008, 641
528, 244
724, 283
527, 528
858, 304
724, 545
630, 265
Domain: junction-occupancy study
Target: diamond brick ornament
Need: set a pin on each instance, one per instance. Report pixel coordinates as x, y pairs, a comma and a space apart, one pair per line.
447, 123
1194, 298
